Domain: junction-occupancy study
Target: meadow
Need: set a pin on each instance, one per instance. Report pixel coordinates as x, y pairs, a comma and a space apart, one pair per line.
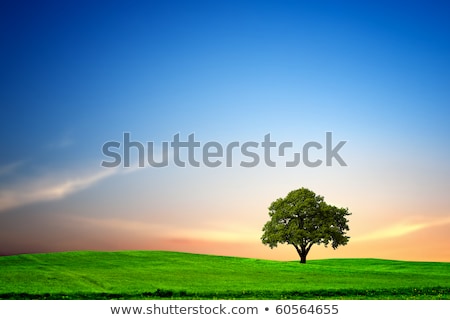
175, 275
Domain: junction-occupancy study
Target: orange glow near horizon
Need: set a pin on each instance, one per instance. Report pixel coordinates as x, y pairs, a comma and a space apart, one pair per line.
401, 242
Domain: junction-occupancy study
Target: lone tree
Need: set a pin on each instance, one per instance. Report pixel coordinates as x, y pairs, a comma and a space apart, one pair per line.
302, 219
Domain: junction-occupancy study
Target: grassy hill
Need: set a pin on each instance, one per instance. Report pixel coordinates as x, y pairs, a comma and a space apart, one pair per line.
174, 275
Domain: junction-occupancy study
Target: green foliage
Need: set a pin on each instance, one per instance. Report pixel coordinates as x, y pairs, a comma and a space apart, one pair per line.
172, 275
303, 219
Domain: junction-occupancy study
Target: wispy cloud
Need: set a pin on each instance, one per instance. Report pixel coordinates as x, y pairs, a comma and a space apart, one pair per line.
169, 231
401, 229
219, 234
10, 168
40, 189
52, 186
64, 141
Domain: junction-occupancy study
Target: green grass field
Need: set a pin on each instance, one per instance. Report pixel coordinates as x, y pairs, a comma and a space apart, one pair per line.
173, 275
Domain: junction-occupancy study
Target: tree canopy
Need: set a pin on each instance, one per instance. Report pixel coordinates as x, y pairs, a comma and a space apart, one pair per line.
303, 219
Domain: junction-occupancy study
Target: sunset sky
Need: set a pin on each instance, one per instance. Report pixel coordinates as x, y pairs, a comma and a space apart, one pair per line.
77, 74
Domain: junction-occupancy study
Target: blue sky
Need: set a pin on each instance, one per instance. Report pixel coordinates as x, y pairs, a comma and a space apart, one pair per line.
76, 74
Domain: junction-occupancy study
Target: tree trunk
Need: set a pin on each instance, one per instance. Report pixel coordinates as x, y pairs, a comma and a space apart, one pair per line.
302, 252
303, 257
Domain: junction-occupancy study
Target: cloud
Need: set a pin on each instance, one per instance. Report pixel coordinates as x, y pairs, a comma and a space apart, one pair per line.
61, 144
170, 231
127, 225
41, 189
400, 229
10, 168
53, 186
64, 141
220, 235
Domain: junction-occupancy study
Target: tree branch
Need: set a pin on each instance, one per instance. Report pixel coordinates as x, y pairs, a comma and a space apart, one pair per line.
299, 251
308, 247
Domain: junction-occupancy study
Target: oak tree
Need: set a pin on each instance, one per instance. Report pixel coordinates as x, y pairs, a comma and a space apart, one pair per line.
303, 219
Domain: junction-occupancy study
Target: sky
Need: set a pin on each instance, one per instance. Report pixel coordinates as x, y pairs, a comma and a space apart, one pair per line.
78, 74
